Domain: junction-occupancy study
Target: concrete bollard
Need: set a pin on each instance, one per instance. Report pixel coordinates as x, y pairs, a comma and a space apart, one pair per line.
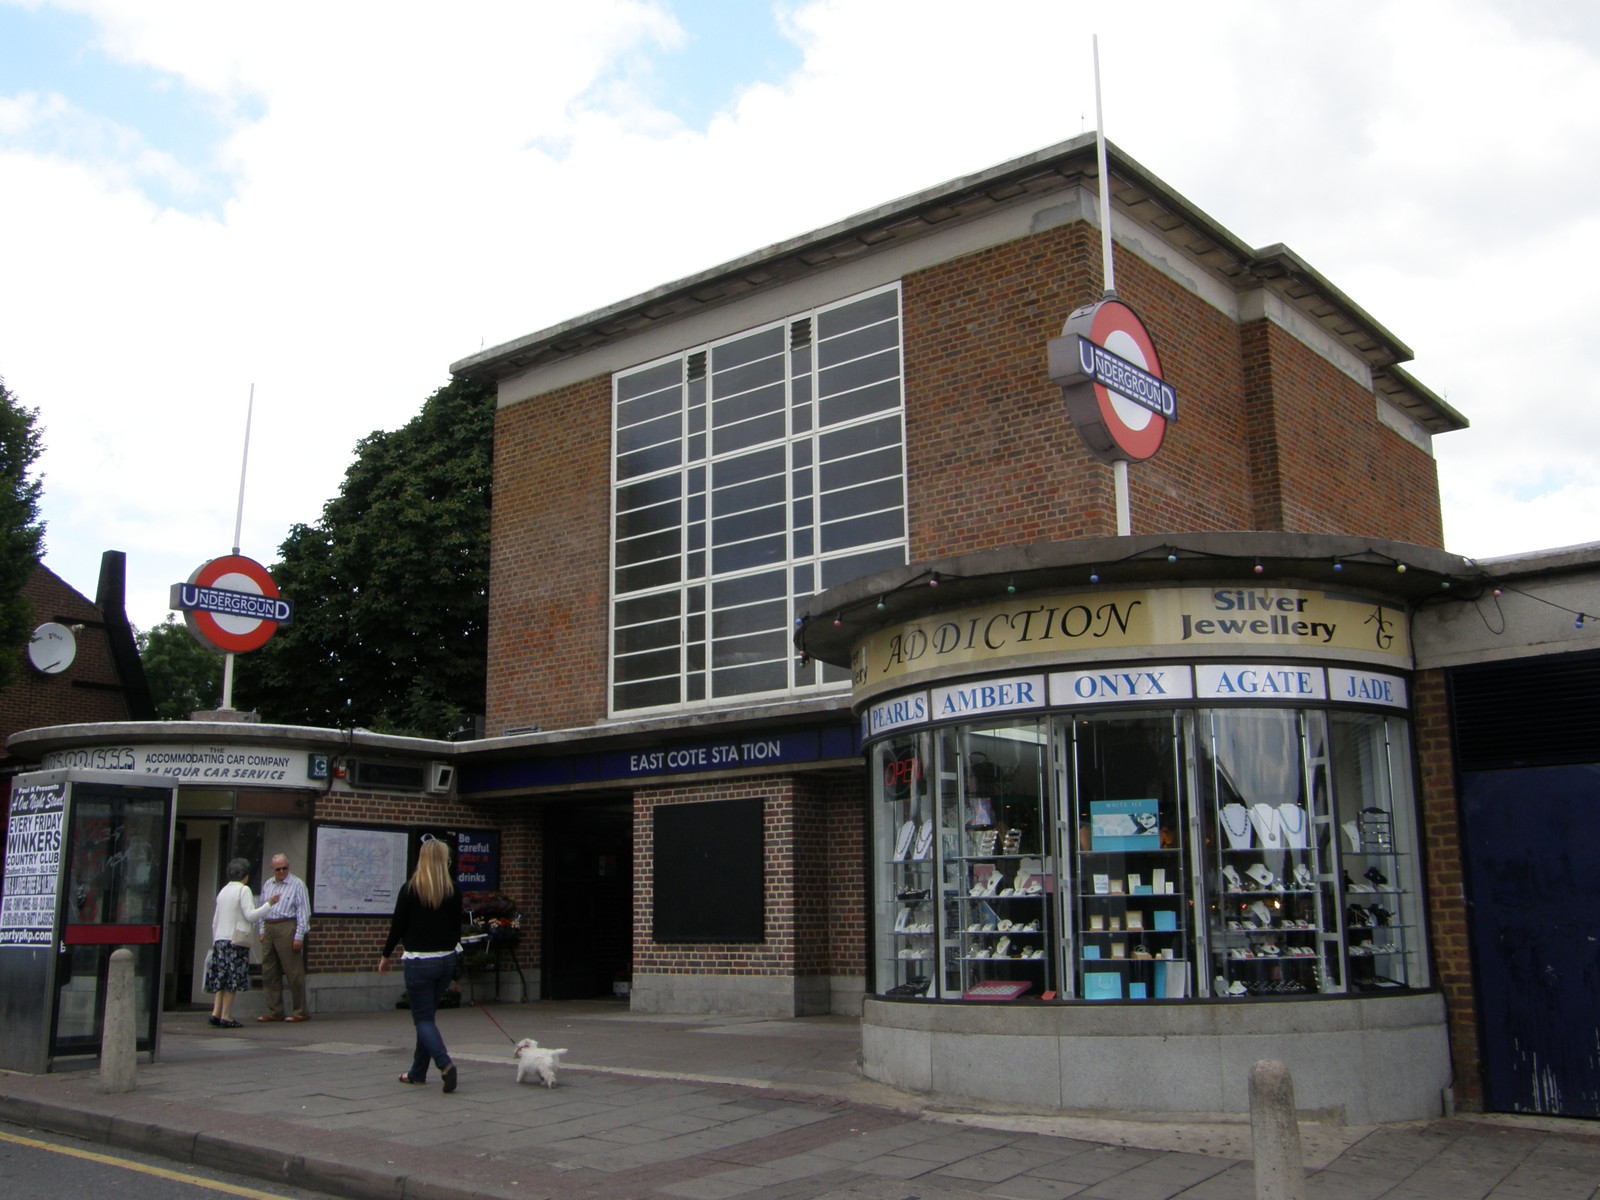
1275, 1133
118, 1056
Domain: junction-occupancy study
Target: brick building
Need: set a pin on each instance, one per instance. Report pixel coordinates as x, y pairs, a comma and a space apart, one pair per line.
1139, 807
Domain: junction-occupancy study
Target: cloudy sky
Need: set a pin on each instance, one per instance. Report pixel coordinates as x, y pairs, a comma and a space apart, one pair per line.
330, 202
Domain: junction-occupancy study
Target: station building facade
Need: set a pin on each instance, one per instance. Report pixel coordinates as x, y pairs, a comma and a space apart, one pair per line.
820, 680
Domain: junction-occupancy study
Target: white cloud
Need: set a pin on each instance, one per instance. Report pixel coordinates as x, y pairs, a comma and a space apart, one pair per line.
408, 183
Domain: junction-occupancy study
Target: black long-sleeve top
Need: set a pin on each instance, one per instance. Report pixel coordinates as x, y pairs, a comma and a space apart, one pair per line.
424, 930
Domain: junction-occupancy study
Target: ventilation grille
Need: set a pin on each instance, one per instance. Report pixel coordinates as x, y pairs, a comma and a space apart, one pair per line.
1530, 712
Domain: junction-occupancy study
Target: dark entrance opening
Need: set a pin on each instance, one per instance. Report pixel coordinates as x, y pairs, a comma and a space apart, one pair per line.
588, 899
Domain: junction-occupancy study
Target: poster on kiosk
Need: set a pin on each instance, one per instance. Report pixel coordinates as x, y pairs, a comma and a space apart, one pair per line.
86, 865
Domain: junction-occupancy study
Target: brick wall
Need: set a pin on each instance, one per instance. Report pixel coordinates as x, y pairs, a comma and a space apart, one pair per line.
549, 574
1269, 436
352, 944
812, 842
1447, 909
88, 691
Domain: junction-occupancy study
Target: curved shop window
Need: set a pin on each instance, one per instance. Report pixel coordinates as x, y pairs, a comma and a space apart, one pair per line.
1146, 854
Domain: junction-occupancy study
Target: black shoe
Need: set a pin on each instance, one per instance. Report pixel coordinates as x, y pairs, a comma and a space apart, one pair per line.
213, 1020
1377, 877
449, 1077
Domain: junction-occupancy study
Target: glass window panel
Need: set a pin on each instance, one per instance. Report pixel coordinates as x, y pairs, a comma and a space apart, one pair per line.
763, 617
654, 694
742, 497
865, 498
732, 471
649, 548
737, 351
644, 521
638, 638
695, 630
804, 581
742, 556
834, 410
747, 434
880, 434
642, 609
859, 343
648, 462
731, 409
863, 468
651, 379
842, 570
641, 427
883, 306
655, 664
862, 531
747, 589
752, 385
749, 680
696, 568
648, 492
647, 576
739, 527
805, 542
853, 376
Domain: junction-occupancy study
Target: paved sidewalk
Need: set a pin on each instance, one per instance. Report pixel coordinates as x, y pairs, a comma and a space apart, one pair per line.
709, 1108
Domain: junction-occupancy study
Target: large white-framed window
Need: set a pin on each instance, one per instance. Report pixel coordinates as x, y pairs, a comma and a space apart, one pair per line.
748, 474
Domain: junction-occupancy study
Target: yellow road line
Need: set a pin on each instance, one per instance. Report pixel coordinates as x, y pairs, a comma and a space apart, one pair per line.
231, 1189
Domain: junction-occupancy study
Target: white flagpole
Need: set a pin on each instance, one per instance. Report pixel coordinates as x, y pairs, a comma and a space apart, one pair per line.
1119, 469
238, 528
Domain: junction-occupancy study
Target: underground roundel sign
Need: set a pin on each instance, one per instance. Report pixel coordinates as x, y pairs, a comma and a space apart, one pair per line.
231, 605
1106, 364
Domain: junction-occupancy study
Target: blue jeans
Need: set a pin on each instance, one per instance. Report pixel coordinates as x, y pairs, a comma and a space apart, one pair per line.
427, 980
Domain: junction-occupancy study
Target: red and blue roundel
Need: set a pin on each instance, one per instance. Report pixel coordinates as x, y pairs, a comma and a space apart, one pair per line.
231, 605
1106, 364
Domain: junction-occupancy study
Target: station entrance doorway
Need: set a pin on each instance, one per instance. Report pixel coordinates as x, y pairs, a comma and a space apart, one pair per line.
588, 899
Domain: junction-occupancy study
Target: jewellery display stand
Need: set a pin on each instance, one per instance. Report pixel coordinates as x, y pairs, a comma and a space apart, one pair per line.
996, 883
1378, 910
1273, 928
907, 935
1132, 905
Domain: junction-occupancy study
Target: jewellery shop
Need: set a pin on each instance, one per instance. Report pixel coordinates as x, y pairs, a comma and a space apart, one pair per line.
1137, 824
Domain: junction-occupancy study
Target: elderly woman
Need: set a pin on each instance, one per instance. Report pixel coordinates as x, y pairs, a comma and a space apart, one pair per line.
233, 930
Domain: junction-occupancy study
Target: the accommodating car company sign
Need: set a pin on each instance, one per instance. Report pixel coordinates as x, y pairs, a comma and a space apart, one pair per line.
1191, 621
1106, 364
204, 763
231, 605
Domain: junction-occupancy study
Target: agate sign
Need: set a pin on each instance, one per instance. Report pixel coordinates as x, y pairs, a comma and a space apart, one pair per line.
1110, 375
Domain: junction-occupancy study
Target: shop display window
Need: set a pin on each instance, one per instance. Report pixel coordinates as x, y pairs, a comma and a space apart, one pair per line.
1130, 893
1243, 852
1273, 925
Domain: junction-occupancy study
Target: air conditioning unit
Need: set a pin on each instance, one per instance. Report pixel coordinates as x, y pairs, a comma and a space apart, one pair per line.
440, 777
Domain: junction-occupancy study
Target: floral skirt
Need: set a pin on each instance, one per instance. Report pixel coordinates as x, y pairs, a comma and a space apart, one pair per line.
227, 967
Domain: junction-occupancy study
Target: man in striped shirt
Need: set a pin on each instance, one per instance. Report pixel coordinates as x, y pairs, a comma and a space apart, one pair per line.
283, 936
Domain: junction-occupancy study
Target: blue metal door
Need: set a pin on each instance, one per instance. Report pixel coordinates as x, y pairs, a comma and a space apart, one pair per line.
1533, 875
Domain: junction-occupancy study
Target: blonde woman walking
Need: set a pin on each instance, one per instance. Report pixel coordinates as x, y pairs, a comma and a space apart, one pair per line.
427, 922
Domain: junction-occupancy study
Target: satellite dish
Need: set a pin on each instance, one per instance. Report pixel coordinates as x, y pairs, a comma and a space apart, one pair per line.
52, 648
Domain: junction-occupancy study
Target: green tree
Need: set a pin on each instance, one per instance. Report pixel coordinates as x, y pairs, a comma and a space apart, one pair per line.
390, 588
21, 531
184, 676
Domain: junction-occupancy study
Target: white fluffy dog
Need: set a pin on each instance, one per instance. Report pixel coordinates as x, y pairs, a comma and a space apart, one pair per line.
535, 1062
